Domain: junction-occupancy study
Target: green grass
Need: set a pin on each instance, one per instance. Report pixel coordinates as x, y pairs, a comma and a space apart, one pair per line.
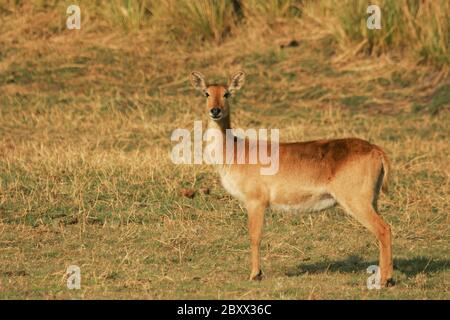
86, 178
439, 101
416, 26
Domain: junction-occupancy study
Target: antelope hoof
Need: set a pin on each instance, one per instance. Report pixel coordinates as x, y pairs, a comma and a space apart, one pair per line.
389, 282
256, 276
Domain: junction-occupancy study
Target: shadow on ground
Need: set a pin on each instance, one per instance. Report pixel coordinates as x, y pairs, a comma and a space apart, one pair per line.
409, 266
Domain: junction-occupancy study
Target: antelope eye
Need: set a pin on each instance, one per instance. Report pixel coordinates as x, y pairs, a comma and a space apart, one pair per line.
206, 94
227, 95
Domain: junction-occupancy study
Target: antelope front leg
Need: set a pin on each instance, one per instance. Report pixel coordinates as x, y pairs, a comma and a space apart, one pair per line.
255, 224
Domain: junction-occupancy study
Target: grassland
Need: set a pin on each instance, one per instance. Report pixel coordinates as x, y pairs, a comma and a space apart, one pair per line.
86, 177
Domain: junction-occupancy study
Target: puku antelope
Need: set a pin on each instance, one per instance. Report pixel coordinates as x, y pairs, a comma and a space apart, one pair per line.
312, 176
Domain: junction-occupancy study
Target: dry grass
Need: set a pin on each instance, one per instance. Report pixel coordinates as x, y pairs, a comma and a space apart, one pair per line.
418, 28
86, 179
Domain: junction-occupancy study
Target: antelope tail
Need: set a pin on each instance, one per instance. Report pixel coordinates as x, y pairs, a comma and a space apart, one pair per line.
386, 169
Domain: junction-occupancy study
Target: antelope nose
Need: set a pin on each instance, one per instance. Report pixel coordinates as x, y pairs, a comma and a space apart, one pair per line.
215, 112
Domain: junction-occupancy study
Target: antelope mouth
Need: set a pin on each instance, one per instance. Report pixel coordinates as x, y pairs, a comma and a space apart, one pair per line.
216, 117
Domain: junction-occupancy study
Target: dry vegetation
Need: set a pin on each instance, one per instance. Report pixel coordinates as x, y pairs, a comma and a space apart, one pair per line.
85, 124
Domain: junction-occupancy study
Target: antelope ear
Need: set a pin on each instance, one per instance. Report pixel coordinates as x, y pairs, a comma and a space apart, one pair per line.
198, 81
236, 82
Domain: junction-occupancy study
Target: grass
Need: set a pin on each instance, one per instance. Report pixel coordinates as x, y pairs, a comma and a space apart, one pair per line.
86, 178
409, 25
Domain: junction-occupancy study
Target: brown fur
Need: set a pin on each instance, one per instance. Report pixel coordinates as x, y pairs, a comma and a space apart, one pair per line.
312, 175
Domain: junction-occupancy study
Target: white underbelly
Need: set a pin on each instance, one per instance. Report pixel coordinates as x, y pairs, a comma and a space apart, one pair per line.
308, 206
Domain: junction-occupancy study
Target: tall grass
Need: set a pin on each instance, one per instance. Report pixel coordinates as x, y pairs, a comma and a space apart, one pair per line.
217, 19
198, 20
271, 11
130, 14
420, 26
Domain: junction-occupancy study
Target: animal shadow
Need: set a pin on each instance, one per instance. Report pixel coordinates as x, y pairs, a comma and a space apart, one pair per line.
353, 263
